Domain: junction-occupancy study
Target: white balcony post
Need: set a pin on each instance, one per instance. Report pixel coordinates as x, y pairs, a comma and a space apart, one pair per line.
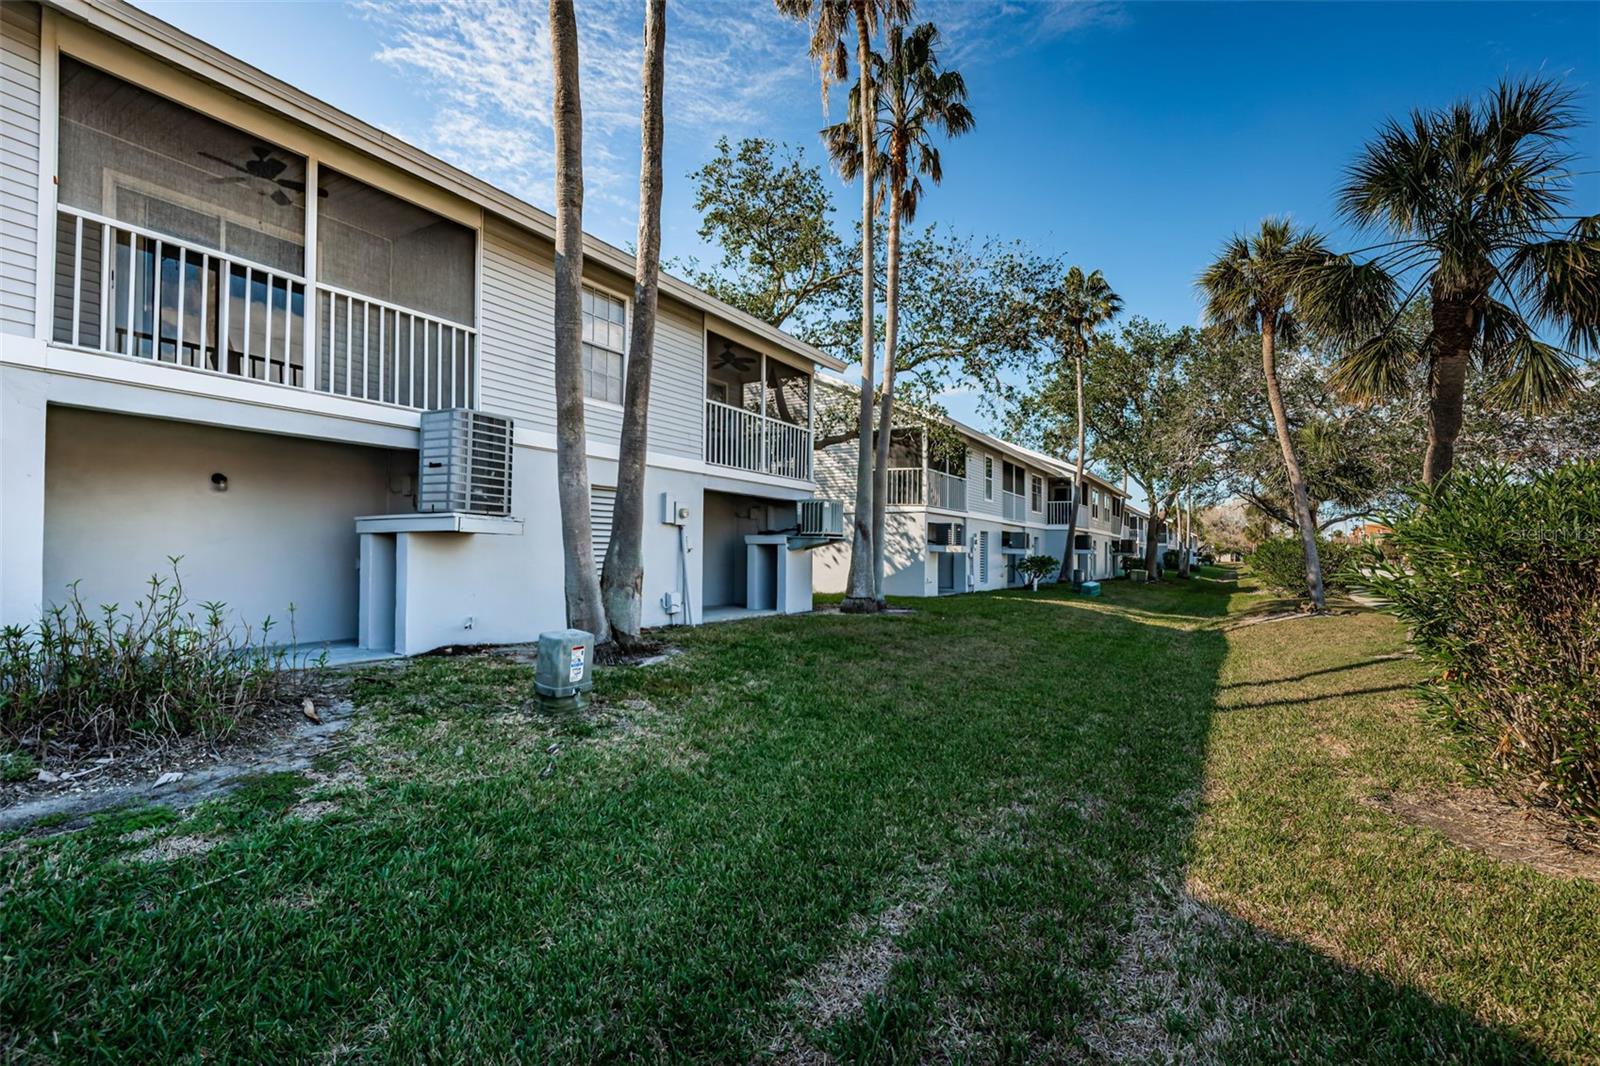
309, 269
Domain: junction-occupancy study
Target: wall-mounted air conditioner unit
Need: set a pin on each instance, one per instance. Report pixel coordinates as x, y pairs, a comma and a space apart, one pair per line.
465, 461
821, 518
946, 533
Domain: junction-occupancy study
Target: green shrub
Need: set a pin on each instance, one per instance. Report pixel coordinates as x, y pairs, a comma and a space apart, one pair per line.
95, 677
1498, 577
1036, 568
1280, 563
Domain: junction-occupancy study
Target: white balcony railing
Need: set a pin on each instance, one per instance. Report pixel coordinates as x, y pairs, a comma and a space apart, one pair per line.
1057, 512
905, 486
131, 291
1014, 506
746, 440
948, 491
374, 350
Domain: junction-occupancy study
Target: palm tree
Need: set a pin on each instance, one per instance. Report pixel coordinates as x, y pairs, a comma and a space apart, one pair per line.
916, 98
1263, 284
1070, 312
831, 24
584, 608
1474, 199
622, 577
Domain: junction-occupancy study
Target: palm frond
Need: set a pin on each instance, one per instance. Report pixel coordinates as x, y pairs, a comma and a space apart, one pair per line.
1560, 276
1534, 376
1376, 369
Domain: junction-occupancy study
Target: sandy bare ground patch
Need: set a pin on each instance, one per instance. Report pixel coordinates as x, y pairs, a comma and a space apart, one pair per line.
181, 774
1479, 820
169, 849
1160, 974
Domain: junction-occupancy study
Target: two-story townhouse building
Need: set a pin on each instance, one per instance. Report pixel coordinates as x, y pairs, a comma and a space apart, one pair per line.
964, 508
226, 311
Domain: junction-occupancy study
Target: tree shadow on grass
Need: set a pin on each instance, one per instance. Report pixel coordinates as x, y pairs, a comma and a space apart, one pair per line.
1068, 932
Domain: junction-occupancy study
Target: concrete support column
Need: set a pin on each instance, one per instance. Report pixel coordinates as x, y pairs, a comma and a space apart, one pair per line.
22, 421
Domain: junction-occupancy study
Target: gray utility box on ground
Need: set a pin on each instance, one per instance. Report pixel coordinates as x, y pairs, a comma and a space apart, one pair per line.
465, 463
563, 669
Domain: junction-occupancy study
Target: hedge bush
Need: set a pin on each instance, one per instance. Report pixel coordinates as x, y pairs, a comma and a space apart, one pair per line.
86, 679
1280, 563
1498, 576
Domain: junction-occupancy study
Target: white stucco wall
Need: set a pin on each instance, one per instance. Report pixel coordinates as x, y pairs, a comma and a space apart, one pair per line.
122, 494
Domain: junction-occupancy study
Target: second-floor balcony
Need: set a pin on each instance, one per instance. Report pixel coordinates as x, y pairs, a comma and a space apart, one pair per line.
758, 411
1014, 506
182, 240
127, 290
914, 486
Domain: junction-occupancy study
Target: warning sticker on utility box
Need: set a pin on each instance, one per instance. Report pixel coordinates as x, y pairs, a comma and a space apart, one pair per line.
575, 669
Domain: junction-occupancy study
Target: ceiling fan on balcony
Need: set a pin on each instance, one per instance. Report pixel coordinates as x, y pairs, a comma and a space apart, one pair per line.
728, 358
264, 167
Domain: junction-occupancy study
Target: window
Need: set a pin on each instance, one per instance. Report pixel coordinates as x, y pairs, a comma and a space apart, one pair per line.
1094, 506
988, 479
605, 320
983, 551
1036, 493
1011, 477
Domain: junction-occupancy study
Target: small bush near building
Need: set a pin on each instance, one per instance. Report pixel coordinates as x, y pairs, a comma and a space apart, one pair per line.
1498, 577
1280, 563
94, 677
1035, 568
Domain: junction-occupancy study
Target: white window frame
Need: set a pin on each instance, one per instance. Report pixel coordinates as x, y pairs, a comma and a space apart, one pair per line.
988, 477
627, 318
1035, 493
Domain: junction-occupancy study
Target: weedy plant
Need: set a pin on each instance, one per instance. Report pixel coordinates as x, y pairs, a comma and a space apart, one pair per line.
93, 677
1498, 577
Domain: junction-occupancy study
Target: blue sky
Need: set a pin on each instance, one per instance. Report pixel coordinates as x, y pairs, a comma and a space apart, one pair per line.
1132, 138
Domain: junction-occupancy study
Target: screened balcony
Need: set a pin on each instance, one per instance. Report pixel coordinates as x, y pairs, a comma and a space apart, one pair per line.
182, 240
758, 411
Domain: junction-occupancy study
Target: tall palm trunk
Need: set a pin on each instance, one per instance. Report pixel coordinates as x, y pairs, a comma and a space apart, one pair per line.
860, 593
584, 610
1454, 326
1291, 465
891, 329
622, 580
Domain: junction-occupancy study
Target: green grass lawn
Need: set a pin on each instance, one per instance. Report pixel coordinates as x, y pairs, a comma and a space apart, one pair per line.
1002, 827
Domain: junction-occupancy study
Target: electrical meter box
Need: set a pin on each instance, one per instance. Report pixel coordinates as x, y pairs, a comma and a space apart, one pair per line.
565, 663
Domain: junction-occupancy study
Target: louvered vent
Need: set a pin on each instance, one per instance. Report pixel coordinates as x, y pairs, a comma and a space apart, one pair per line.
821, 518
465, 463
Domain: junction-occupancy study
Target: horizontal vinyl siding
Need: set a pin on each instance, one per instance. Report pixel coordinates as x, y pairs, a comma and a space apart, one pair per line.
517, 344
516, 339
976, 504
834, 470
19, 165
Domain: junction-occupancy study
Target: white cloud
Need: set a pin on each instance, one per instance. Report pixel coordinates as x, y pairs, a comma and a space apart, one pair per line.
487, 67
731, 64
